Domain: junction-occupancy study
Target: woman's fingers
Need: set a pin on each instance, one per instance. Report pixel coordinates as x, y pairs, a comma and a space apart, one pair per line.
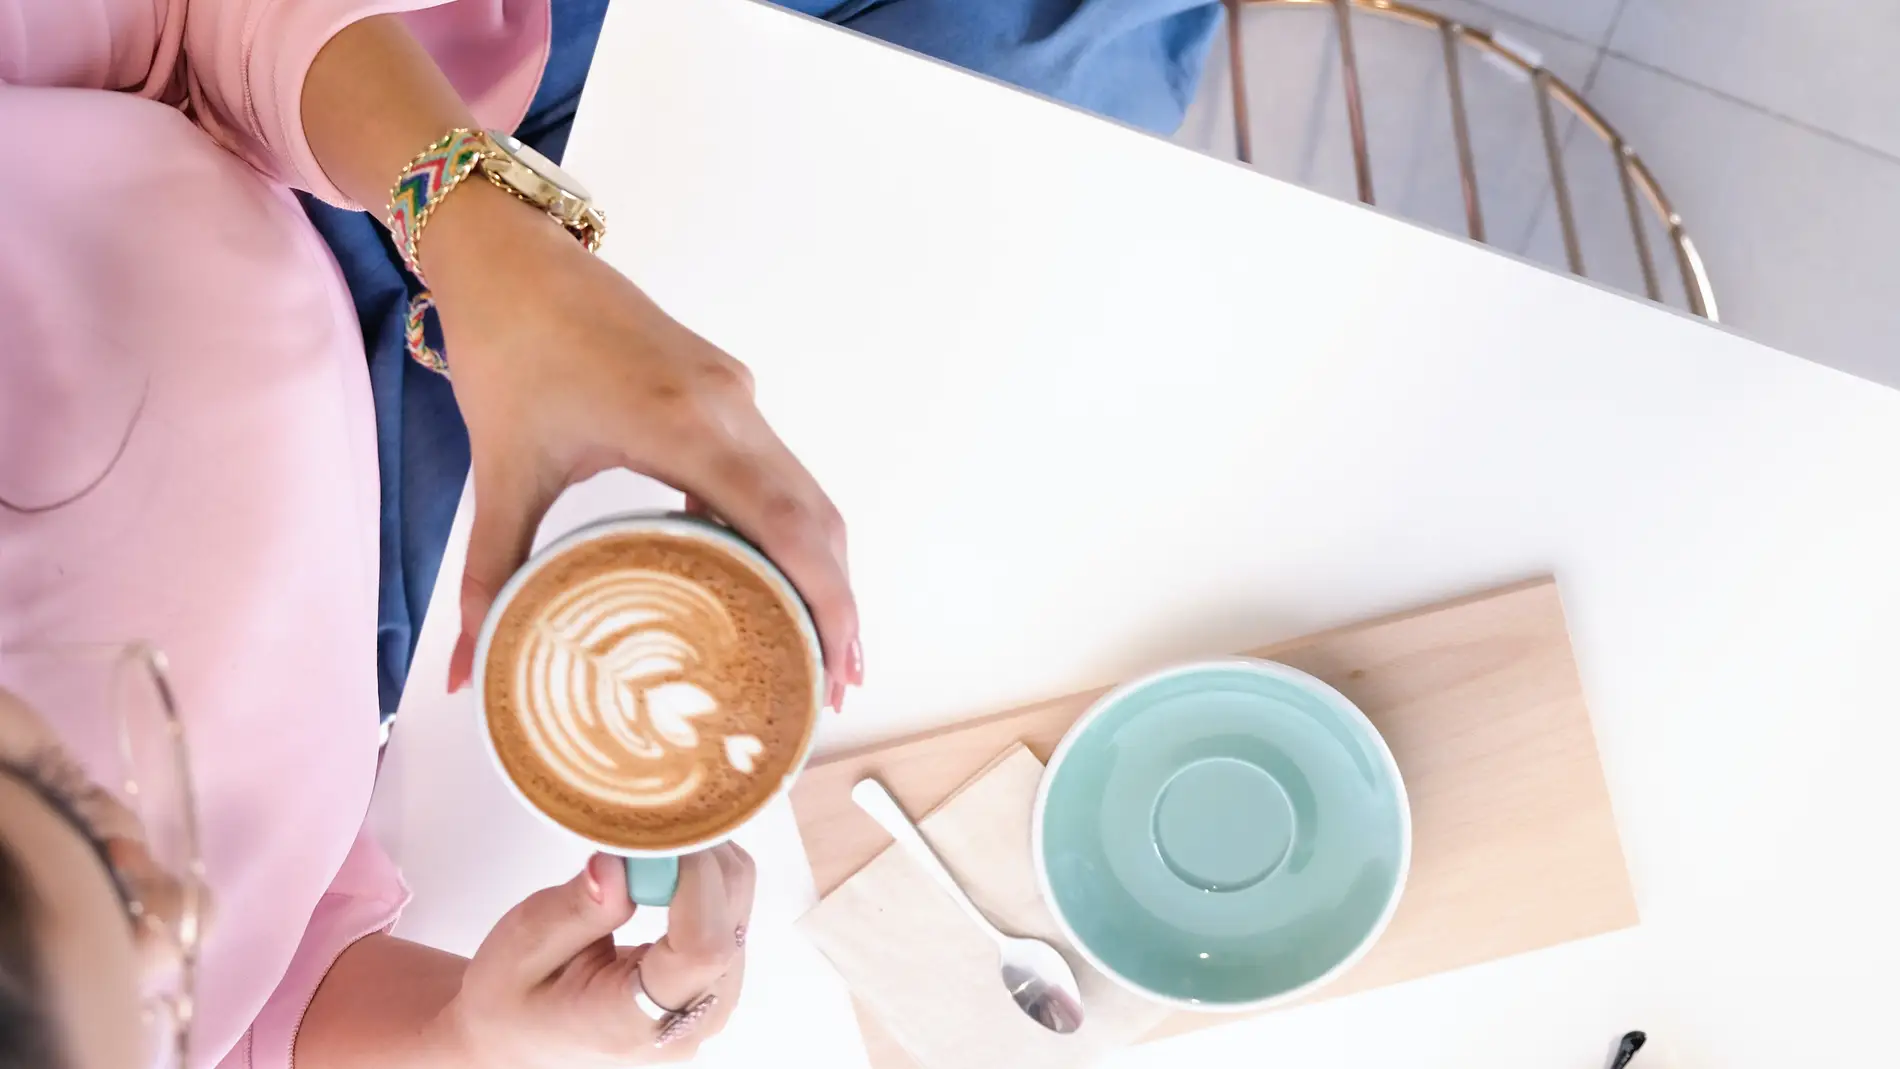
742, 879
509, 504
539, 937
748, 477
728, 991
718, 935
548, 977
698, 946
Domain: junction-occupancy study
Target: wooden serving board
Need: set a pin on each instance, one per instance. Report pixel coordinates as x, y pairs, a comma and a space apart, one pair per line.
1514, 844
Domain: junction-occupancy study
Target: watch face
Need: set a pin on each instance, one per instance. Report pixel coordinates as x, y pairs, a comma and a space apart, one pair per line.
542, 166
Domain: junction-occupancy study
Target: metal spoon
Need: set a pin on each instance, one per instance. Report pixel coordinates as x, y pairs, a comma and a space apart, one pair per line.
1037, 977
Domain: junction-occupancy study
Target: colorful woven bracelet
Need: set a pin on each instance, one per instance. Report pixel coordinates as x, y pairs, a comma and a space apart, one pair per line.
422, 185
415, 337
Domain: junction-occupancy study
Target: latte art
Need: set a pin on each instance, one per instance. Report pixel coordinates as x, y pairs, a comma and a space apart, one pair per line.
650, 690
605, 685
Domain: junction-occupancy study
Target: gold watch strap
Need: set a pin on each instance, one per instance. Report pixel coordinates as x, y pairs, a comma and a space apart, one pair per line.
572, 210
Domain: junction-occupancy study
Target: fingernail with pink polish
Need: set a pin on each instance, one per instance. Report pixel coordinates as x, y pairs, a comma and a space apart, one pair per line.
594, 873
854, 663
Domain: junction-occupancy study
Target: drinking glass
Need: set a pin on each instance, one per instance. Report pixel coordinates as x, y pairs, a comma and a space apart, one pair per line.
113, 708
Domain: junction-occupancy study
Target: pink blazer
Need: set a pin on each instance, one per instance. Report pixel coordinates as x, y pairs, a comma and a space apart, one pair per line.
161, 291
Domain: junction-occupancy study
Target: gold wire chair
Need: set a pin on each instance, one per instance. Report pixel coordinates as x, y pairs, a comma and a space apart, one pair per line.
1639, 187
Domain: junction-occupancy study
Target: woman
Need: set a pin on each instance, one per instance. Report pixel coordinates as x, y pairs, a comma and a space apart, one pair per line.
187, 458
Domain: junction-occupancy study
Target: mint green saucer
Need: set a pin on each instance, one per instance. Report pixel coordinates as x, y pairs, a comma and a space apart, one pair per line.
1222, 835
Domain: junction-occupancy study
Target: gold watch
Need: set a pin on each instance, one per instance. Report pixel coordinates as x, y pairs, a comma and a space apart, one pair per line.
536, 179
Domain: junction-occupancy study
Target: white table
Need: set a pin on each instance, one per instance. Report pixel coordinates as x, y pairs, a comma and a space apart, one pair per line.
1091, 402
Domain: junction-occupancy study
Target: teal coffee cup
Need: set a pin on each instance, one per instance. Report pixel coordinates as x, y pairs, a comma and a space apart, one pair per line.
649, 684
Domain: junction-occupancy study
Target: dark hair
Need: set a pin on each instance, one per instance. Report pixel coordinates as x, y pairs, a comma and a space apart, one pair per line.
28, 1036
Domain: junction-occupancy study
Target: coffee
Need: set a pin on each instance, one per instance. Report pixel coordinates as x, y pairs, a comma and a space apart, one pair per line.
647, 690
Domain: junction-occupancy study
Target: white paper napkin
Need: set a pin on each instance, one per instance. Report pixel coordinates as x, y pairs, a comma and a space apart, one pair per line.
930, 976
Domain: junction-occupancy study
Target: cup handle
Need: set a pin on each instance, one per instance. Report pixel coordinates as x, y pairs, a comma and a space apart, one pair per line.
651, 881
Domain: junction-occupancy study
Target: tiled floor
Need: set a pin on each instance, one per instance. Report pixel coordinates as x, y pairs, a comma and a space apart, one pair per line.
1587, 21
1827, 64
1801, 231
1775, 128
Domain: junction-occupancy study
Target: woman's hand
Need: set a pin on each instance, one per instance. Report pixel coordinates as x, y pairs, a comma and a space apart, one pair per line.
563, 369
548, 988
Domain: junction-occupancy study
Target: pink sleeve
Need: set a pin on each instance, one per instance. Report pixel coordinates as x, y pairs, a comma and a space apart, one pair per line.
365, 898
246, 61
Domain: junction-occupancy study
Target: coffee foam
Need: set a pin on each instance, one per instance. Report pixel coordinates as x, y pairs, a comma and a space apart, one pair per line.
648, 691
